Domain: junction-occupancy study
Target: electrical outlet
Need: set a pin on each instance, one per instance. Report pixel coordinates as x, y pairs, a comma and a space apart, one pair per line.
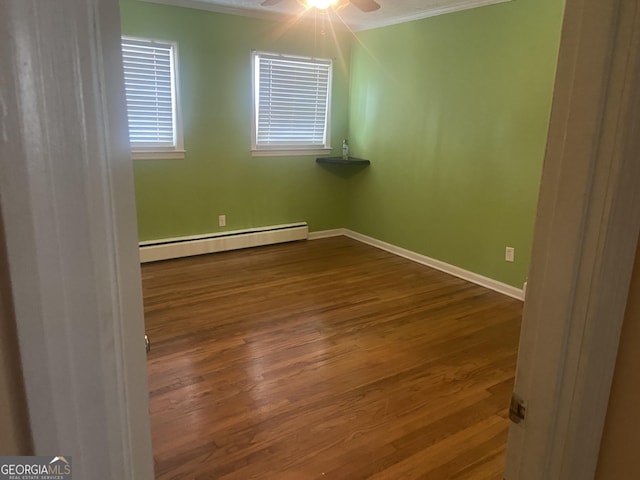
222, 220
509, 254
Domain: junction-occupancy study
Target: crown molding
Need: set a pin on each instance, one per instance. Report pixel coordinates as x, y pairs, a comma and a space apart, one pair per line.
354, 25
360, 26
212, 7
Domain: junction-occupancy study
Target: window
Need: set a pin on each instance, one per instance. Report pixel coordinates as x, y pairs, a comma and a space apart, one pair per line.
291, 101
151, 84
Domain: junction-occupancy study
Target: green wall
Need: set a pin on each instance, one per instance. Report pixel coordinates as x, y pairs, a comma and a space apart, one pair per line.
453, 113
218, 174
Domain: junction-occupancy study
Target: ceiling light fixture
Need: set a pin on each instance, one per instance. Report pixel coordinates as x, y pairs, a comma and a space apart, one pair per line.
321, 4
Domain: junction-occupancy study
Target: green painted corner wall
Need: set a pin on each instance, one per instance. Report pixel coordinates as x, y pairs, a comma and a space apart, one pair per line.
453, 113
218, 174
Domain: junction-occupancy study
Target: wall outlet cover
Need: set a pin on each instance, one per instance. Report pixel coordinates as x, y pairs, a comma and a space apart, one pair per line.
509, 254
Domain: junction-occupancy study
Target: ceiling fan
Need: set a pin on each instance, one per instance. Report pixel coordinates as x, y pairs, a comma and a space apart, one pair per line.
364, 5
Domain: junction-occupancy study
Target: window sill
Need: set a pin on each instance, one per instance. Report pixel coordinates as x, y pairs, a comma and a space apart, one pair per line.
157, 155
291, 152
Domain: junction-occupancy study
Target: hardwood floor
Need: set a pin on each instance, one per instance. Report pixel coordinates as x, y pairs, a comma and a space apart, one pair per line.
326, 359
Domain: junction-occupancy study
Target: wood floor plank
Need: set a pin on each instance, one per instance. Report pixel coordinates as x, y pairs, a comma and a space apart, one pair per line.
325, 359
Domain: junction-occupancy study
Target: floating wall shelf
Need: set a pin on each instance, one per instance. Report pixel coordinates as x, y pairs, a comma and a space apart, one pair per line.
341, 161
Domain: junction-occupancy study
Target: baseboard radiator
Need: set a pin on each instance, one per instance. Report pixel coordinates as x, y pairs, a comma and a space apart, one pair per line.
164, 249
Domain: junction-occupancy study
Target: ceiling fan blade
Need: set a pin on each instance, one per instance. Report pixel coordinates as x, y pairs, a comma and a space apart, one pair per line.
365, 5
268, 3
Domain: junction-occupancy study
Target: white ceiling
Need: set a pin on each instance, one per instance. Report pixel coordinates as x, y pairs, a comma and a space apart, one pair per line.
390, 12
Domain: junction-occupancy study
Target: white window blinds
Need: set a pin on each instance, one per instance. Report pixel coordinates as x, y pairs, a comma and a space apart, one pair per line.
150, 83
291, 102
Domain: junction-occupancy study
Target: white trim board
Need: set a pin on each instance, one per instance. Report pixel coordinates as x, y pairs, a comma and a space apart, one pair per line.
177, 247
336, 232
472, 277
359, 24
584, 245
68, 213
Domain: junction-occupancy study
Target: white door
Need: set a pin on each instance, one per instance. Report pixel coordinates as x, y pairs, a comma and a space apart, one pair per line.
68, 208
584, 244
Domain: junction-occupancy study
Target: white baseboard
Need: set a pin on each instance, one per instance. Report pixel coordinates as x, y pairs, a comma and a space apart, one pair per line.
481, 280
336, 232
165, 249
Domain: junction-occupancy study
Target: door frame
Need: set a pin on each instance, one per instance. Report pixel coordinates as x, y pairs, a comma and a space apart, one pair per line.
584, 245
68, 208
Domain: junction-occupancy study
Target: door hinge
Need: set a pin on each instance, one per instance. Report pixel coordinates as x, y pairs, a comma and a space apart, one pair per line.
517, 409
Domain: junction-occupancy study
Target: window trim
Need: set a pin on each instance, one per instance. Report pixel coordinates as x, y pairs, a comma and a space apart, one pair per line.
176, 151
279, 150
